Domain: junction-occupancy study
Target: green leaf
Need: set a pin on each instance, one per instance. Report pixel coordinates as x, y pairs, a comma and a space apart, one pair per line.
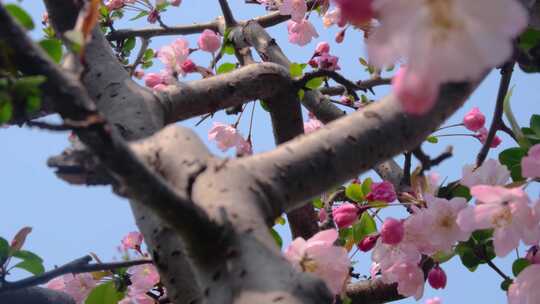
27, 255
301, 94
442, 257
364, 227
33, 266
139, 15
315, 83
432, 139
53, 47
4, 249
105, 293
226, 67
148, 54
318, 203
482, 236
33, 103
519, 265
354, 192
296, 69
276, 237
529, 39
6, 110
228, 48
129, 44
512, 119
21, 15
535, 124
511, 158
264, 105
467, 256
366, 186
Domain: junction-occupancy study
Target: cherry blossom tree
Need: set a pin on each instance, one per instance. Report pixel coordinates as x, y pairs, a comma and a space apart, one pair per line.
207, 220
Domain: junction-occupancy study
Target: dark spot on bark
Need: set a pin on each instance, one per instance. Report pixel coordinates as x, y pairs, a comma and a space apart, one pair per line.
249, 230
98, 96
206, 292
216, 275
277, 299
172, 280
243, 273
155, 256
98, 75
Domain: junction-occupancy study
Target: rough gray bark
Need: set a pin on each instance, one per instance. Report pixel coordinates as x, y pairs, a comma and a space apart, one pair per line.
177, 188
36, 295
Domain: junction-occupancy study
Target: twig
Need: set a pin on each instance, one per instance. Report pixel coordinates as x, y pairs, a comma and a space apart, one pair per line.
48, 126
350, 86
227, 14
497, 122
79, 265
360, 85
427, 162
145, 42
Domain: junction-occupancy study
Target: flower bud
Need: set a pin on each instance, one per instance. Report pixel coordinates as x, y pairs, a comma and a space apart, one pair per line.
382, 192
367, 243
474, 120
188, 66
437, 277
532, 255
322, 48
392, 231
345, 215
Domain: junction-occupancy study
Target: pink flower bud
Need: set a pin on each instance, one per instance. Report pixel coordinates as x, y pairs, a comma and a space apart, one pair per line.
176, 2
417, 94
482, 137
132, 240
367, 243
322, 48
328, 62
188, 66
313, 63
152, 79
392, 231
474, 120
356, 12
153, 16
437, 277
322, 215
382, 192
345, 215
340, 36
209, 41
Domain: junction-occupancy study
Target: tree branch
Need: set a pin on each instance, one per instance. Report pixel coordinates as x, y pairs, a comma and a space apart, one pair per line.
36, 295
80, 265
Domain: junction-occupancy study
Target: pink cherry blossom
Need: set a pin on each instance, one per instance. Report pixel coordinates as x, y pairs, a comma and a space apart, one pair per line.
132, 240
440, 38
440, 221
474, 120
437, 277
416, 93
226, 136
174, 54
491, 172
392, 231
356, 12
482, 137
435, 300
327, 62
114, 4
143, 277
345, 215
332, 17
175, 2
153, 16
322, 48
409, 277
505, 210
526, 287
301, 32
209, 41
296, 8
244, 148
312, 125
530, 164
383, 192
387, 255
77, 286
319, 256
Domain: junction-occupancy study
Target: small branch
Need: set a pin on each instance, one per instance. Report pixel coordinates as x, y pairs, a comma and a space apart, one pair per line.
48, 126
406, 180
145, 42
497, 122
227, 14
428, 162
360, 85
79, 265
350, 86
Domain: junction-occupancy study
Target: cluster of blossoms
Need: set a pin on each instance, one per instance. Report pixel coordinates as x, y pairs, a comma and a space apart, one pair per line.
227, 136
175, 58
436, 225
322, 59
141, 5
474, 121
142, 278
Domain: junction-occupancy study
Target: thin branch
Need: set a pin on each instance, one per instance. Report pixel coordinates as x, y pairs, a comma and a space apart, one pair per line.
428, 162
48, 126
80, 265
145, 42
497, 122
227, 14
350, 87
360, 85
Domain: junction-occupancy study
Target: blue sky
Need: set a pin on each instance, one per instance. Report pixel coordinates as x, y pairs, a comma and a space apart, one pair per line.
71, 221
